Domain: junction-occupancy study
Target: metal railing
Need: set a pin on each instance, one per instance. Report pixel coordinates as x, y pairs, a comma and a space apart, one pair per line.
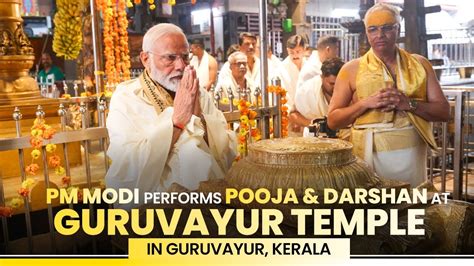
456, 47
84, 135
449, 167
232, 114
321, 26
85, 107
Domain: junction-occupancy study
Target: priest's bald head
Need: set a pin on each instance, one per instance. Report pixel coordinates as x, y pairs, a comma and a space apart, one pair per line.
165, 54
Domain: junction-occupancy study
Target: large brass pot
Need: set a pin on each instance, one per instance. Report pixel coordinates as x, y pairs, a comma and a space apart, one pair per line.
301, 163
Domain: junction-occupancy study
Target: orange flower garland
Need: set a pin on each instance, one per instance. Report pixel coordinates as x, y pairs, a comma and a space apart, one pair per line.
115, 35
122, 22
6, 211
284, 109
248, 126
105, 6
39, 132
151, 3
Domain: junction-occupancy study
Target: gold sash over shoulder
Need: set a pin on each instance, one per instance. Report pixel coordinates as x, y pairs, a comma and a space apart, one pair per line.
412, 81
301, 163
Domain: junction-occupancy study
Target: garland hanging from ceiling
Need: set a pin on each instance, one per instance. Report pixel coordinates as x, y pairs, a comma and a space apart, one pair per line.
115, 36
151, 3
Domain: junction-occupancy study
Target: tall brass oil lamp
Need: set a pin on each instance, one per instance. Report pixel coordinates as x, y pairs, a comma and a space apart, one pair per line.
17, 88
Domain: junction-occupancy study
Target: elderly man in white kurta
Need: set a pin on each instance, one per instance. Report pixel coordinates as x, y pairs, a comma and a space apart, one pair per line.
204, 64
247, 45
238, 82
163, 129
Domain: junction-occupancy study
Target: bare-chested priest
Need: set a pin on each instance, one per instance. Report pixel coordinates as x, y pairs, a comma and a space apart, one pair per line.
389, 96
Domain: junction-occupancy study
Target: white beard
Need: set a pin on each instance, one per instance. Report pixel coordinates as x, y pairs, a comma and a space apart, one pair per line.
162, 79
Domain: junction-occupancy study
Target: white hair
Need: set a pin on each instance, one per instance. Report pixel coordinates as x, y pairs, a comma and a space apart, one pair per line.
235, 55
157, 32
383, 6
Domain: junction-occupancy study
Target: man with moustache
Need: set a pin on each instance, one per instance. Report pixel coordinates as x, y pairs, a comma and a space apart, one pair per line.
292, 65
238, 79
163, 129
50, 73
389, 96
247, 45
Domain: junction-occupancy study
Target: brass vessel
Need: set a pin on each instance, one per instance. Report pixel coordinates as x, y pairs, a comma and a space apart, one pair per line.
18, 89
301, 163
16, 56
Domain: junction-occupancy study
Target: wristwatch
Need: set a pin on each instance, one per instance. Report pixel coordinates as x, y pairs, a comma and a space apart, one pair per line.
413, 104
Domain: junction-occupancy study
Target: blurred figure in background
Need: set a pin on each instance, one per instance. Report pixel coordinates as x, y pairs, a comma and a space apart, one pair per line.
204, 64
50, 73
238, 80
328, 47
295, 46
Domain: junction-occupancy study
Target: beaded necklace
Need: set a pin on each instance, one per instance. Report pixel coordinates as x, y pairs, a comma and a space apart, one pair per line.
157, 98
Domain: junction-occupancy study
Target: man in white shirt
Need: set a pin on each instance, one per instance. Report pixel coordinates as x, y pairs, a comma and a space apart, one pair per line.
327, 48
292, 65
204, 64
163, 129
247, 45
275, 66
312, 99
238, 82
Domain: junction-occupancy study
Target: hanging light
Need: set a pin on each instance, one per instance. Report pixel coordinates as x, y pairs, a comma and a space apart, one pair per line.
287, 25
171, 2
275, 2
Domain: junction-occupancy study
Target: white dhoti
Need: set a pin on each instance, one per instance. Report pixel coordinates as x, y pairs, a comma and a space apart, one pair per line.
394, 153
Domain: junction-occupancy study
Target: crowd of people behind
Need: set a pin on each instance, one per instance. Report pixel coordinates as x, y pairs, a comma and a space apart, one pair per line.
308, 75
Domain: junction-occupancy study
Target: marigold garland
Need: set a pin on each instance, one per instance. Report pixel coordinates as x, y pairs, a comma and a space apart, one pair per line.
284, 109
115, 35
248, 126
225, 101
40, 131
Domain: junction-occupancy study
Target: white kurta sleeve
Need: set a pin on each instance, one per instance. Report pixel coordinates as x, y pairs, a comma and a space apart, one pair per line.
310, 69
309, 99
140, 141
138, 150
225, 72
